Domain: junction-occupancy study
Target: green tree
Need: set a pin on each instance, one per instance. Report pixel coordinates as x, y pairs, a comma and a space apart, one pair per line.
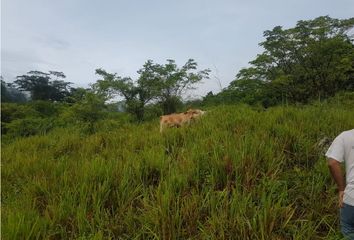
113, 85
173, 81
77, 95
42, 86
9, 93
247, 91
85, 111
156, 82
313, 60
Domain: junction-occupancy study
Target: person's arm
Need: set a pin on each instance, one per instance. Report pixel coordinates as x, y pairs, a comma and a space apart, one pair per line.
337, 174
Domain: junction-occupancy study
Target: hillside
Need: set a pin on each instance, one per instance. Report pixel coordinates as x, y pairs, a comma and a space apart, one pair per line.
238, 173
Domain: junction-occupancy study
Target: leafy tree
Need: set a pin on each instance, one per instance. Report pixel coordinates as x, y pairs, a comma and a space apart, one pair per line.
113, 85
77, 95
10, 94
164, 83
85, 112
313, 60
247, 91
28, 118
173, 81
43, 87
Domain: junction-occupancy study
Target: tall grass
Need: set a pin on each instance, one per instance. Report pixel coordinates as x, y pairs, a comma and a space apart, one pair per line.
238, 173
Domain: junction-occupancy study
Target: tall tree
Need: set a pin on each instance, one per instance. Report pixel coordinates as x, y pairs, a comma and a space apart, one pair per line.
156, 82
10, 94
113, 85
310, 61
171, 81
42, 87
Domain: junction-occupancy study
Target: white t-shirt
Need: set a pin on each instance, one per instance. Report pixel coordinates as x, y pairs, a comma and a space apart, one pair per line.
342, 150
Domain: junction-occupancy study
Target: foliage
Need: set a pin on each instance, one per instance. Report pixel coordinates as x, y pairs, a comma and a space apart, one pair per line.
39, 117
313, 60
77, 95
156, 82
172, 82
21, 120
42, 86
46, 109
86, 112
28, 126
12, 111
11, 94
135, 97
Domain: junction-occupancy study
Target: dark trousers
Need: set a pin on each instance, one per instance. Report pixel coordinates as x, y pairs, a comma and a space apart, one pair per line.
347, 221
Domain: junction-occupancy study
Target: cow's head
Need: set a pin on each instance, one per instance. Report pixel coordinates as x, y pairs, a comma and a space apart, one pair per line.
194, 113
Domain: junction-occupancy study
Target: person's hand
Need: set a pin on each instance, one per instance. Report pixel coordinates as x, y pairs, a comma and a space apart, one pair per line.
340, 198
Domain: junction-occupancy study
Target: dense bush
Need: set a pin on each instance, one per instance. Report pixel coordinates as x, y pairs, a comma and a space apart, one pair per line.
28, 126
11, 112
47, 109
39, 117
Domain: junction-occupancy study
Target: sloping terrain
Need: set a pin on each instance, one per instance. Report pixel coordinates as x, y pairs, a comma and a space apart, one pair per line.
237, 173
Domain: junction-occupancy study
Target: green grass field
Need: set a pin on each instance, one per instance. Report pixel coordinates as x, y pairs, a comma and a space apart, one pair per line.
238, 173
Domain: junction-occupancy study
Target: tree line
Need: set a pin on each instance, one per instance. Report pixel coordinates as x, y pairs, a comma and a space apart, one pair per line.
313, 60
158, 84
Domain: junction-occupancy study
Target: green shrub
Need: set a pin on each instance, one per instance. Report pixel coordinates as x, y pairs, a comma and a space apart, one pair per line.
28, 126
88, 111
13, 111
46, 108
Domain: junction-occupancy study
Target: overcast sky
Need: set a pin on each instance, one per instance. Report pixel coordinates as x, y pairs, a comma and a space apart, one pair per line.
78, 36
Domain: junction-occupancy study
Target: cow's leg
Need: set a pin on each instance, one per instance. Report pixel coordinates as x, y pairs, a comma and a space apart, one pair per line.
161, 127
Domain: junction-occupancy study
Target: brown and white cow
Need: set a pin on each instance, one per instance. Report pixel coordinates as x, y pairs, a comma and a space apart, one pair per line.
179, 119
